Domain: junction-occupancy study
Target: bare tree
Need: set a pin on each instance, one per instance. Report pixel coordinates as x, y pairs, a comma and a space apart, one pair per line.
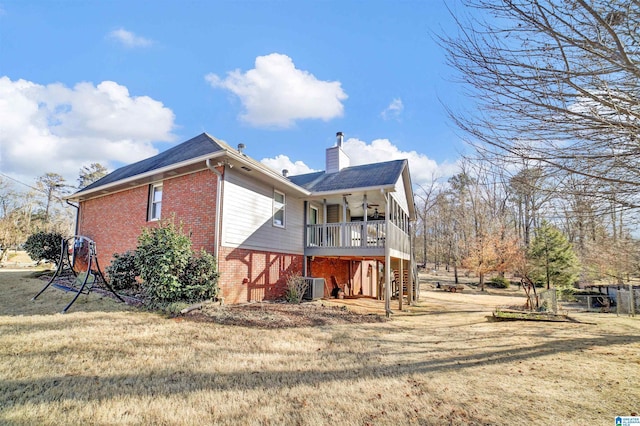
426, 195
53, 186
556, 82
15, 217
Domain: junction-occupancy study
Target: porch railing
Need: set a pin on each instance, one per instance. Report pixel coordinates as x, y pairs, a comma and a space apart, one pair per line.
347, 235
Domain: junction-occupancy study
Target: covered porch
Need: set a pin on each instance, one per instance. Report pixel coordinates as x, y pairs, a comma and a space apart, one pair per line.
366, 278
360, 241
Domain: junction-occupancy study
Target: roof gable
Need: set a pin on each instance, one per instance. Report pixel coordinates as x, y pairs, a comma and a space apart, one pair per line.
364, 176
198, 146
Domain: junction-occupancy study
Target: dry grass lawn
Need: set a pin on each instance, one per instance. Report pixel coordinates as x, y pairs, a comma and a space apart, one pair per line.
438, 363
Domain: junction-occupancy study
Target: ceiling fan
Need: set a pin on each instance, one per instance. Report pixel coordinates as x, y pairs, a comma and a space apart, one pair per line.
376, 214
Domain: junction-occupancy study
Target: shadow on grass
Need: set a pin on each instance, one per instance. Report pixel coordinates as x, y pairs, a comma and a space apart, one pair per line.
17, 288
170, 381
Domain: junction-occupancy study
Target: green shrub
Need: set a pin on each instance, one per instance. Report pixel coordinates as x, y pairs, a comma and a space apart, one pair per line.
170, 271
200, 278
163, 254
499, 282
44, 246
566, 293
296, 287
123, 271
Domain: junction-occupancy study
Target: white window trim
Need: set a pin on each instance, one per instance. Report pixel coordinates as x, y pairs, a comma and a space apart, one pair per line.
152, 202
275, 209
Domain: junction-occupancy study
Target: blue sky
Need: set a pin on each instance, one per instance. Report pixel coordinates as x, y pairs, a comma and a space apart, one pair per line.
117, 81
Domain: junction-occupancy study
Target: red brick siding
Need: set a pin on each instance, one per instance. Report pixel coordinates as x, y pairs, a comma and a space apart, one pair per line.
192, 198
351, 284
325, 268
249, 275
115, 221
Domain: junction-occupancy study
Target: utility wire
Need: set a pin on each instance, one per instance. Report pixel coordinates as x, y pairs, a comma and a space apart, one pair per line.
22, 183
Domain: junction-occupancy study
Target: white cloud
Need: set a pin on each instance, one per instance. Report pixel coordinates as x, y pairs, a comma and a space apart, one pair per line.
276, 94
422, 168
281, 162
394, 110
129, 39
58, 129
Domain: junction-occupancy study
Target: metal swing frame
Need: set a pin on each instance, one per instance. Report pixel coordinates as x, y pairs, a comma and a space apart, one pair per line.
70, 263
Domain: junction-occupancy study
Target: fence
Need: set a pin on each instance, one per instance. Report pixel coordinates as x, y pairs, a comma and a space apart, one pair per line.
627, 302
618, 300
549, 300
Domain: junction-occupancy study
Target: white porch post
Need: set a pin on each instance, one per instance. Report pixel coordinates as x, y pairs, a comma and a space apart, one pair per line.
363, 232
344, 234
401, 284
387, 263
325, 235
413, 295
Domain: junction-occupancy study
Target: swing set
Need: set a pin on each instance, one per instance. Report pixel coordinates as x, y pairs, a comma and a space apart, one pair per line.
78, 269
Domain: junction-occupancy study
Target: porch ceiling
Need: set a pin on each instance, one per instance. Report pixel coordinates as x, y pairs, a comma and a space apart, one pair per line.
355, 201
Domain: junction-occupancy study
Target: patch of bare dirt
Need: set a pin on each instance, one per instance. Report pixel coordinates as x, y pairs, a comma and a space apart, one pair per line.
279, 315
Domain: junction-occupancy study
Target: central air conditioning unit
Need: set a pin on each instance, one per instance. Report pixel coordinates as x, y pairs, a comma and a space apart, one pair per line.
315, 288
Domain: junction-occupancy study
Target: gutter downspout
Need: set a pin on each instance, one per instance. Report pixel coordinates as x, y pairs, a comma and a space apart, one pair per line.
75, 232
218, 207
305, 239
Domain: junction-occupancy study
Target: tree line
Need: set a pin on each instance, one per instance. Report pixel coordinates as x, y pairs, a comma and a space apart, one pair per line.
26, 209
553, 117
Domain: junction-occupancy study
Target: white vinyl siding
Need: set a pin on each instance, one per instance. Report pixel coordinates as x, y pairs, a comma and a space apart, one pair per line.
247, 219
400, 195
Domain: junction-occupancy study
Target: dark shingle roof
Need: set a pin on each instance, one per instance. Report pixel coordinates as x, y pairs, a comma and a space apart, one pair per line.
367, 175
193, 148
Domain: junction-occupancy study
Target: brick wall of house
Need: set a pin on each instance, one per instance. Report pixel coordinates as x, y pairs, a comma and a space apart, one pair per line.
251, 275
327, 268
115, 221
359, 278
192, 198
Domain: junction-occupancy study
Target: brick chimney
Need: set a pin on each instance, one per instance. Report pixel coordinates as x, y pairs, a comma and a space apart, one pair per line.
336, 159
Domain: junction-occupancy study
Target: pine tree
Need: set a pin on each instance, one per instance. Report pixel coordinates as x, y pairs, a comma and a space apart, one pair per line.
90, 174
552, 258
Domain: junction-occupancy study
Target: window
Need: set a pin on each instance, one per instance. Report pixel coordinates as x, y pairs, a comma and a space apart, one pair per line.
155, 201
313, 231
278, 209
313, 216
